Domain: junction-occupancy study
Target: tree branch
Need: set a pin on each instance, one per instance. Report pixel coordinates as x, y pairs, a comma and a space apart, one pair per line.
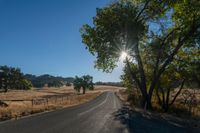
141, 70
158, 96
163, 96
167, 97
158, 59
142, 10
179, 91
170, 58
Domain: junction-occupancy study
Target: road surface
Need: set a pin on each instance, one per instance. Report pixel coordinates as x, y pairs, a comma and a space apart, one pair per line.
105, 114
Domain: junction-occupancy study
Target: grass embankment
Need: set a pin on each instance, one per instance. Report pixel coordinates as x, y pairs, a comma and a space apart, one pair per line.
23, 103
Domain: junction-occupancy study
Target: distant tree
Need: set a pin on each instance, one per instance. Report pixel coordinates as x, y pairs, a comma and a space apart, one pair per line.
84, 82
87, 83
118, 84
13, 78
55, 83
68, 84
24, 85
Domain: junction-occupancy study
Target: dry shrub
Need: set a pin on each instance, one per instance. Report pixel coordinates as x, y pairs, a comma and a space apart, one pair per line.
5, 114
186, 105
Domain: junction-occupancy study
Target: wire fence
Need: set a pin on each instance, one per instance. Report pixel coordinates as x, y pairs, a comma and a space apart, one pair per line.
18, 108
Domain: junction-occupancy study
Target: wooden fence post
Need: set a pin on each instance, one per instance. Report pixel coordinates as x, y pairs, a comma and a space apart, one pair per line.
32, 102
47, 101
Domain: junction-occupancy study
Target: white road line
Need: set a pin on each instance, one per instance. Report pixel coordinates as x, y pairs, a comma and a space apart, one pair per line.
80, 114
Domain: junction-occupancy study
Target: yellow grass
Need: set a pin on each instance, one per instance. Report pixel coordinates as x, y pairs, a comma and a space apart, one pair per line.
57, 98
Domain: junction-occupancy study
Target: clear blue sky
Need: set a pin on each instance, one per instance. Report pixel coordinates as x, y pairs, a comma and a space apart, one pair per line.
42, 37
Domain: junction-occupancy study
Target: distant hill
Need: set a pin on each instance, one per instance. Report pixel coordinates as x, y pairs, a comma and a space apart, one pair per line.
51, 81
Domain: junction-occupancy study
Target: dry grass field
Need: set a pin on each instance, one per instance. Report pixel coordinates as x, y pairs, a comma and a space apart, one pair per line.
21, 103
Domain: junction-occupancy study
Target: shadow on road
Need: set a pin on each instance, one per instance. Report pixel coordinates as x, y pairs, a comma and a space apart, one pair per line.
137, 122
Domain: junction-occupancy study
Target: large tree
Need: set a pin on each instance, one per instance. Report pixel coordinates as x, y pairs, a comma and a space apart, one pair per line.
151, 32
84, 82
13, 78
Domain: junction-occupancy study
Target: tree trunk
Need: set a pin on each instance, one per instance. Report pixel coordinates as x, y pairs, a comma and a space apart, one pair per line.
84, 90
5, 89
158, 97
146, 102
179, 91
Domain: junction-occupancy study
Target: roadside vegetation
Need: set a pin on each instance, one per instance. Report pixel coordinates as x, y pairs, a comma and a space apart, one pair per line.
159, 42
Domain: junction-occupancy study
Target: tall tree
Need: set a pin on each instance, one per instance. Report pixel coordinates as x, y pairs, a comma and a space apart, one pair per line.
151, 32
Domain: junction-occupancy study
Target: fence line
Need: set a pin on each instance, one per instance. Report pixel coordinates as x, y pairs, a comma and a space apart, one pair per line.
47, 100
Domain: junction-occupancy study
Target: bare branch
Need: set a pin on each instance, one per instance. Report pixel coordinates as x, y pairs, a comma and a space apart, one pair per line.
179, 91
142, 10
158, 59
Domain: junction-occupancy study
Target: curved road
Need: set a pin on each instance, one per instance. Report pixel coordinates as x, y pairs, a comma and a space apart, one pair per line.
90, 117
105, 114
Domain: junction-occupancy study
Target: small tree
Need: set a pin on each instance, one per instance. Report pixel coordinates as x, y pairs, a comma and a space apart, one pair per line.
68, 84
84, 82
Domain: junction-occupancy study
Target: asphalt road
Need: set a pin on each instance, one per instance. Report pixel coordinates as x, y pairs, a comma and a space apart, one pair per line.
90, 117
105, 114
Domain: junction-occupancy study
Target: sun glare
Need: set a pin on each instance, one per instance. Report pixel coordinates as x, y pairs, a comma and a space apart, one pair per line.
123, 55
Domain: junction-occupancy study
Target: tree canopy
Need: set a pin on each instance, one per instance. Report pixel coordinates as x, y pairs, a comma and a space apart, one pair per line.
84, 82
155, 34
13, 78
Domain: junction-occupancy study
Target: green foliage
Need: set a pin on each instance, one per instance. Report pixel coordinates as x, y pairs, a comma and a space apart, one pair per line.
55, 84
112, 26
189, 65
12, 78
127, 79
68, 84
84, 82
162, 39
78, 83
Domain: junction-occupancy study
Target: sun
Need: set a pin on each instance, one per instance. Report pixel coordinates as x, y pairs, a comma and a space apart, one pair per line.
123, 55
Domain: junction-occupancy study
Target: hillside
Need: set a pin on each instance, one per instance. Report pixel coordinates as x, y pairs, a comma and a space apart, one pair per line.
42, 80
